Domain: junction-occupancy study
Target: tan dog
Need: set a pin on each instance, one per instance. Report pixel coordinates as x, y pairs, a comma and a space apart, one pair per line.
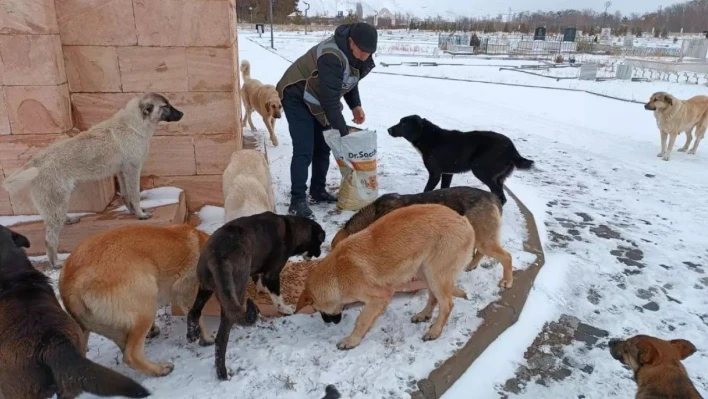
481, 208
261, 98
247, 185
674, 116
114, 282
657, 366
116, 146
429, 241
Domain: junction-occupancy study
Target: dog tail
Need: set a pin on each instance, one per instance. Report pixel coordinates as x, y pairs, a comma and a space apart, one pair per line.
72, 371
246, 69
18, 180
331, 392
227, 291
521, 162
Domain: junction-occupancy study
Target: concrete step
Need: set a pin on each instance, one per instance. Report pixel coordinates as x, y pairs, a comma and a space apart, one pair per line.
114, 216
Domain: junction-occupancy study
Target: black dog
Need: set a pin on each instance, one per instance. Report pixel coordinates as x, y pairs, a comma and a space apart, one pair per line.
490, 156
42, 349
331, 392
255, 247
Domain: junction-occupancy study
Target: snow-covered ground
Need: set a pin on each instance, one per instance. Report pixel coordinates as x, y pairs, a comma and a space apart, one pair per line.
623, 233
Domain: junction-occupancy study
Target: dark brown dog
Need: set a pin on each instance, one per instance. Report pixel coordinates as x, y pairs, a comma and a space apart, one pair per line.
255, 247
480, 207
42, 349
657, 366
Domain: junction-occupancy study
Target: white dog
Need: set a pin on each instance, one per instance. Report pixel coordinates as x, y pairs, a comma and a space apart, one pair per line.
118, 145
247, 185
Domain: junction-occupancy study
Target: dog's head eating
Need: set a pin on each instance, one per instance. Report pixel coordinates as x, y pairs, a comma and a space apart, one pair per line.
322, 300
310, 237
156, 108
643, 351
410, 127
659, 101
275, 108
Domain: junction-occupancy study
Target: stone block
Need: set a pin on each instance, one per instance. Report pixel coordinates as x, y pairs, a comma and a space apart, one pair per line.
170, 156
4, 117
96, 22
38, 109
92, 69
153, 69
210, 69
5, 204
172, 22
213, 152
89, 109
237, 88
36, 17
200, 190
31, 60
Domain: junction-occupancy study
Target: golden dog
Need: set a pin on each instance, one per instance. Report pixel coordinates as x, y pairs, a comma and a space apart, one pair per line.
657, 366
429, 241
674, 116
114, 282
247, 186
261, 98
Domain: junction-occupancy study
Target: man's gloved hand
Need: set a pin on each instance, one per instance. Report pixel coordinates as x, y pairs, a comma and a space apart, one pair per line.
359, 115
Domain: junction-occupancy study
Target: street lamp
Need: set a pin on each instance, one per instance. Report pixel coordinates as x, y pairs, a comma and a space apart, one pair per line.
271, 24
308, 7
251, 10
607, 5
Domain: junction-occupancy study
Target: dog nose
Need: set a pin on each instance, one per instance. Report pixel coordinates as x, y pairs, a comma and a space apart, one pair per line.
613, 343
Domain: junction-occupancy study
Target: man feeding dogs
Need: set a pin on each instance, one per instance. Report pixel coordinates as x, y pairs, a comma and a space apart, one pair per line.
311, 91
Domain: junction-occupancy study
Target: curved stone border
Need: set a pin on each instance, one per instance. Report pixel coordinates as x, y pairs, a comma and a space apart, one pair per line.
497, 316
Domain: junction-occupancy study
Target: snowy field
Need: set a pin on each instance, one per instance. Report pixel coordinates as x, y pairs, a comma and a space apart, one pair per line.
623, 234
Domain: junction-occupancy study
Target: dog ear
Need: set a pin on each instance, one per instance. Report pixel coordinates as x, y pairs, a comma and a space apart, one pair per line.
685, 348
20, 240
668, 100
646, 353
304, 300
146, 108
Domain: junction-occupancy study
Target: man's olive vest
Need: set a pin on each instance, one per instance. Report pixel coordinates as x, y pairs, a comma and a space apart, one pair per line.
305, 69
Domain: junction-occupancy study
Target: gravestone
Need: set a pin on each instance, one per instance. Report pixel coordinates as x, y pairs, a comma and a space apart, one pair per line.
606, 36
260, 29
588, 72
540, 33
694, 48
629, 40
569, 34
624, 72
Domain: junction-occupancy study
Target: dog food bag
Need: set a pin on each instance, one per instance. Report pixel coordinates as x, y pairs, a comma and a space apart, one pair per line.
356, 157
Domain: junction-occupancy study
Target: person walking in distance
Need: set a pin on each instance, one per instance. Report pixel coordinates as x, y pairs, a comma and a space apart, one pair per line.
311, 91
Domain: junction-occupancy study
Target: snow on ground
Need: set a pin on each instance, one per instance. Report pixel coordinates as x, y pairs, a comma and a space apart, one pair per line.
8, 221
622, 230
156, 197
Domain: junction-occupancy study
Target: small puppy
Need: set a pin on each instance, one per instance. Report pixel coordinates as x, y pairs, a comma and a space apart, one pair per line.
674, 116
429, 241
42, 350
261, 98
255, 246
490, 156
480, 207
247, 185
118, 145
331, 392
114, 282
657, 366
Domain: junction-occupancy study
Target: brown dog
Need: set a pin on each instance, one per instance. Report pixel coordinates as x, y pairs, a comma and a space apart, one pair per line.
674, 116
264, 99
42, 350
657, 366
429, 241
114, 282
480, 207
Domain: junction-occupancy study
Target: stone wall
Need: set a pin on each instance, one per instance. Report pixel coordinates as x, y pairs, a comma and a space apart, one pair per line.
69, 64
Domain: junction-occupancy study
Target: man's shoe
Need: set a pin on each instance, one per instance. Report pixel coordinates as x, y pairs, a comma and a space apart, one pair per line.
323, 197
300, 208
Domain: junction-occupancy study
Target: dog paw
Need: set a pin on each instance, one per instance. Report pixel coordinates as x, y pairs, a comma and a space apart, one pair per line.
275, 142
164, 369
154, 332
682, 149
145, 215
692, 152
72, 220
431, 335
504, 283
224, 374
286, 309
193, 334
661, 154
348, 343
420, 318
666, 158
206, 341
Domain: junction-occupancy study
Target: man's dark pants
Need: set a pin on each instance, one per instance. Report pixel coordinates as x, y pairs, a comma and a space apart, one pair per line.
309, 147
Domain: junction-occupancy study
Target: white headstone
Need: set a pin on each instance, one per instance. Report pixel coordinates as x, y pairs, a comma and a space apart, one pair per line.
606, 36
588, 72
629, 40
624, 72
694, 48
